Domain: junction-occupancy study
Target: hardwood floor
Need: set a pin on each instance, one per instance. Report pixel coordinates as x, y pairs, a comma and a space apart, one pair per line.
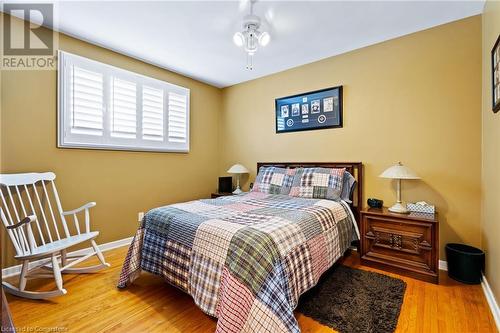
93, 304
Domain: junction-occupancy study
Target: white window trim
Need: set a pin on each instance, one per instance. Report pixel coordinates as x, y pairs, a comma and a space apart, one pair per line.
65, 139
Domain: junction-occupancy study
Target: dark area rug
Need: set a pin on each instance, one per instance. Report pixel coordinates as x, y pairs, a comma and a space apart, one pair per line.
352, 300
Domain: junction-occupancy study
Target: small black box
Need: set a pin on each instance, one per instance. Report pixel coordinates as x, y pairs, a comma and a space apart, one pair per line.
225, 184
375, 203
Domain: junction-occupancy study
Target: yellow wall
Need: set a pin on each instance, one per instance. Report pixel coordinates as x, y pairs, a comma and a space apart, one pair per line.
122, 183
414, 99
490, 226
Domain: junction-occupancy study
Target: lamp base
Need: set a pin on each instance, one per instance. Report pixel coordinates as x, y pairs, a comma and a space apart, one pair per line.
398, 208
237, 191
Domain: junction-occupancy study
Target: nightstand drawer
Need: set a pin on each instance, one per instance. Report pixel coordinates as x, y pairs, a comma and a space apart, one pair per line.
400, 244
408, 241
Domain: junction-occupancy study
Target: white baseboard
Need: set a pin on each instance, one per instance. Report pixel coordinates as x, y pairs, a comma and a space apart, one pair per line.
492, 302
16, 270
443, 265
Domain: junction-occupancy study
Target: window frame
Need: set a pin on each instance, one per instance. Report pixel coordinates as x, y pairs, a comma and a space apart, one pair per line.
66, 139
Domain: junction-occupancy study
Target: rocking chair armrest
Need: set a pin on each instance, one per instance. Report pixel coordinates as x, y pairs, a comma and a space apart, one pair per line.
27, 219
75, 211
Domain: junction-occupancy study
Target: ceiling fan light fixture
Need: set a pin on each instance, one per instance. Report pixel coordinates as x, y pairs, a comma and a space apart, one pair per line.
251, 37
238, 39
264, 38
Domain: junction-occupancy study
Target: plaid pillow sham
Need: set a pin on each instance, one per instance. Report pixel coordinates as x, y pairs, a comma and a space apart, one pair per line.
318, 183
274, 180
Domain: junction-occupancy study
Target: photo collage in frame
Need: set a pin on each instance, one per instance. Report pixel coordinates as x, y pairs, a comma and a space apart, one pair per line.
313, 110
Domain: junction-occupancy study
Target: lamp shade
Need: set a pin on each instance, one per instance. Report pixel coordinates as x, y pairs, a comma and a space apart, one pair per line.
399, 171
237, 168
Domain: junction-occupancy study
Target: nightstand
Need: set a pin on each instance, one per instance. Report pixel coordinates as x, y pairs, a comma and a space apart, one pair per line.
407, 244
220, 194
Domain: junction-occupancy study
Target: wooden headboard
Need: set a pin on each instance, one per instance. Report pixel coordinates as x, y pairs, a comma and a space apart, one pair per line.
354, 168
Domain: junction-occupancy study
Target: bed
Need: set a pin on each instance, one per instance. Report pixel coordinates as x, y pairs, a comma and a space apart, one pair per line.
246, 259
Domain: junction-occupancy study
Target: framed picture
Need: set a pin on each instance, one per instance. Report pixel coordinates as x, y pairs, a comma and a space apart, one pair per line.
495, 75
313, 110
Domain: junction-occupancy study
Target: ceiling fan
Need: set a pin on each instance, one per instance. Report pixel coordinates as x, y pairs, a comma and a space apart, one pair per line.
251, 37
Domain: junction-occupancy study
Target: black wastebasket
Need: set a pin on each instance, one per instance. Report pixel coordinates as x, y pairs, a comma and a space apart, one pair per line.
465, 263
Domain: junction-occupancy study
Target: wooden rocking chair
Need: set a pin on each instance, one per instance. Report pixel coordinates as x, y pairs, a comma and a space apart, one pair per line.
26, 197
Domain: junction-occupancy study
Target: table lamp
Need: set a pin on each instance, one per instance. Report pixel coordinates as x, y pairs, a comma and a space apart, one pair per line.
399, 171
237, 169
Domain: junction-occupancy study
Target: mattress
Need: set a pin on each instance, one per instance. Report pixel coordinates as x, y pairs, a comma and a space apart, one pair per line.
244, 259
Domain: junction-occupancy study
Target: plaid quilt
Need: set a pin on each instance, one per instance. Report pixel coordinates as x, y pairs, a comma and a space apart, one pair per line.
244, 259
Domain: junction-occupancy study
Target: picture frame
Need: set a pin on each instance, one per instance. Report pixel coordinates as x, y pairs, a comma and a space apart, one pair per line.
319, 109
495, 76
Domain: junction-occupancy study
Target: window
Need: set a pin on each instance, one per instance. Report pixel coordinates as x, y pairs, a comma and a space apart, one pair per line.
104, 107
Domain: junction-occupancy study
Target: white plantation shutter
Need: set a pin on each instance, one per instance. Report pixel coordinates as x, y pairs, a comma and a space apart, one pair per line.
152, 113
87, 92
123, 108
177, 117
104, 107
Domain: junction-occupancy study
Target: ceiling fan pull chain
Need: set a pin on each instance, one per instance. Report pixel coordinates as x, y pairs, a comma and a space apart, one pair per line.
249, 61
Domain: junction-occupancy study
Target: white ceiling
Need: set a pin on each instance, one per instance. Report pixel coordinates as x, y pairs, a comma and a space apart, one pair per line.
194, 38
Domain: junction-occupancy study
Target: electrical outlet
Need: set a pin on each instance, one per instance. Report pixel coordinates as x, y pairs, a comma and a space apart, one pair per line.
140, 216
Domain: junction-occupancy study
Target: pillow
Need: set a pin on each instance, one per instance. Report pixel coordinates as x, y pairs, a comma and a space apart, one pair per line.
318, 183
273, 180
348, 185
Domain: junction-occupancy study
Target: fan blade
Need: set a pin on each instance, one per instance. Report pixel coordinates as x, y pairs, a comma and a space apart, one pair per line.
269, 15
243, 4
268, 21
